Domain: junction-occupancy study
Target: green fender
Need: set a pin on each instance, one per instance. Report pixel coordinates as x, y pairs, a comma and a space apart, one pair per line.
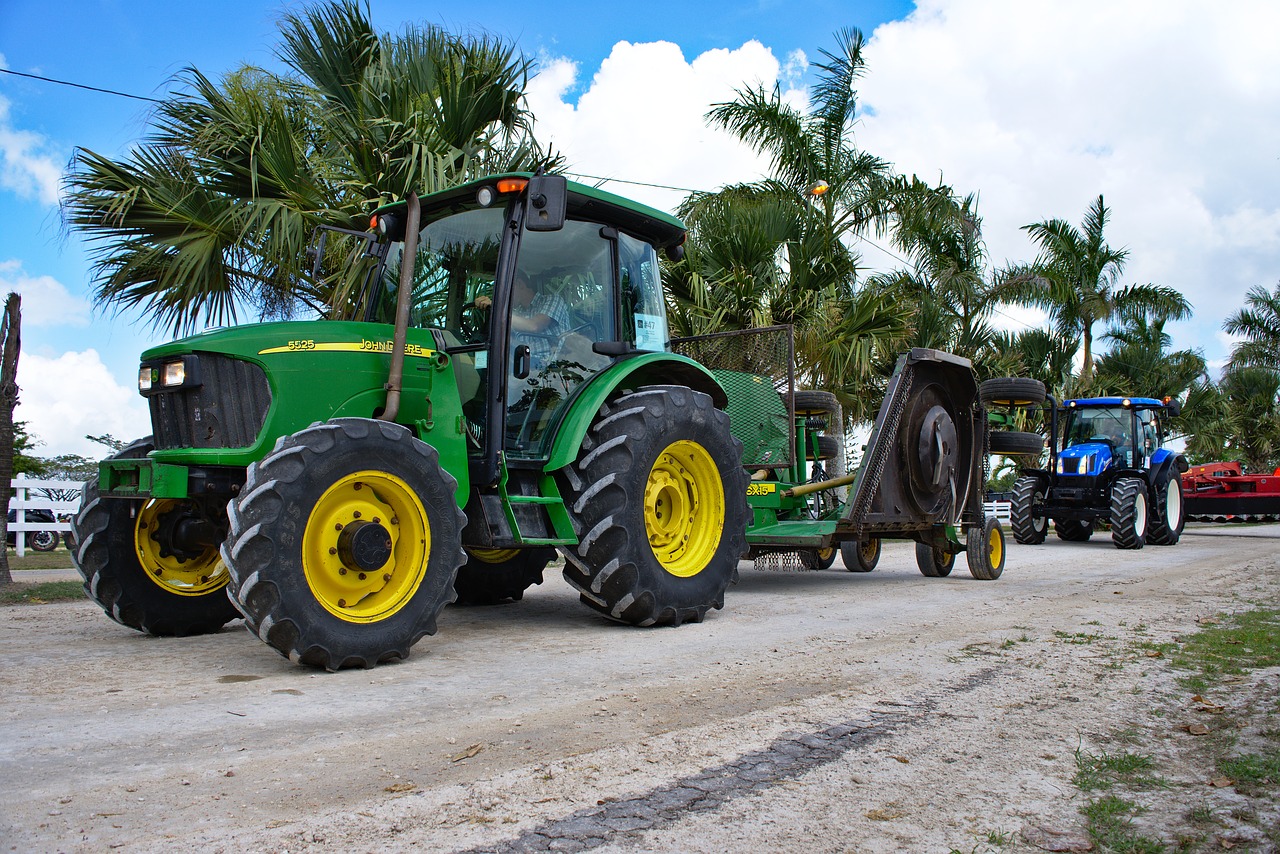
637, 371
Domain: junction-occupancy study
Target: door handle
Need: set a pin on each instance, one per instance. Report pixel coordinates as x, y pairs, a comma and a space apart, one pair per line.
521, 367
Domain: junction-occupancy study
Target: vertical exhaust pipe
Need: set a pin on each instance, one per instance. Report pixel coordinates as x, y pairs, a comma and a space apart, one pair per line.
395, 379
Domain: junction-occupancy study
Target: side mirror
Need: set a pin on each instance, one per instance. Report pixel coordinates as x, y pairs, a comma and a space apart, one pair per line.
545, 202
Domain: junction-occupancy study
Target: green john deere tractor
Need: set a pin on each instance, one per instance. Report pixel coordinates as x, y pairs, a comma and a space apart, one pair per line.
509, 390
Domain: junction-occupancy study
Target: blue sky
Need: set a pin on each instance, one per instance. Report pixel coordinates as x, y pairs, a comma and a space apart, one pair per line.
1168, 108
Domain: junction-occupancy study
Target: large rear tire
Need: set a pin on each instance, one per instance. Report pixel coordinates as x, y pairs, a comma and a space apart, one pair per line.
1028, 528
132, 570
344, 544
493, 576
1129, 515
658, 500
984, 549
1167, 515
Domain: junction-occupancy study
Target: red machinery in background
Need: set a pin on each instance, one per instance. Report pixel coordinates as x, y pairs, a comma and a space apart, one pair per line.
1222, 492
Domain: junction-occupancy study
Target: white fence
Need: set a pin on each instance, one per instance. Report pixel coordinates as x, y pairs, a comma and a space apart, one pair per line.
23, 500
999, 509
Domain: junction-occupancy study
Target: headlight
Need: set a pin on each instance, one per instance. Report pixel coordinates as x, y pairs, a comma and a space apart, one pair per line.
145, 379
1083, 466
1061, 464
175, 373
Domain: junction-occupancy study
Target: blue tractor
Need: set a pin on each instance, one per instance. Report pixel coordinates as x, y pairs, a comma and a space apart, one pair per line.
1107, 463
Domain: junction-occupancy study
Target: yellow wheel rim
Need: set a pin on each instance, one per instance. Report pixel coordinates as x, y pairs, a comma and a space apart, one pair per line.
995, 548
828, 553
684, 508
868, 549
191, 577
493, 555
365, 547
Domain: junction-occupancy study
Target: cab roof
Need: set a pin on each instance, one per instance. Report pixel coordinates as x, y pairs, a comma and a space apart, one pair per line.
1133, 402
590, 203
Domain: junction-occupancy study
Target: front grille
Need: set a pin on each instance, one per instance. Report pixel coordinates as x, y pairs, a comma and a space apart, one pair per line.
226, 411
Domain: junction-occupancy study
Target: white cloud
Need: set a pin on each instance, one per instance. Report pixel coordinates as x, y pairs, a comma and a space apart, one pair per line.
26, 165
63, 399
45, 300
1165, 107
642, 116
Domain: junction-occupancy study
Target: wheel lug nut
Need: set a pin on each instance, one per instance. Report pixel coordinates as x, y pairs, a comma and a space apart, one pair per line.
342, 603
363, 576
355, 515
386, 576
332, 550
337, 526
342, 570
359, 485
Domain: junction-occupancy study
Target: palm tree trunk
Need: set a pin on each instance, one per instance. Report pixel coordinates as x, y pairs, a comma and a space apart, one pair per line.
1086, 368
10, 343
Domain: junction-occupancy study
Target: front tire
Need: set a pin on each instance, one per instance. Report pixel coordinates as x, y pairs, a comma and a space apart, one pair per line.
132, 571
43, 541
494, 576
1028, 528
344, 544
658, 501
862, 555
1129, 513
1167, 516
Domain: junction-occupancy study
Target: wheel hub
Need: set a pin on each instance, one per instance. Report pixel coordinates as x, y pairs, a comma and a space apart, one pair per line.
364, 546
164, 543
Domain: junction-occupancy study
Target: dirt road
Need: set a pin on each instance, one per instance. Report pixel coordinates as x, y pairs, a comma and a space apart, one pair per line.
818, 712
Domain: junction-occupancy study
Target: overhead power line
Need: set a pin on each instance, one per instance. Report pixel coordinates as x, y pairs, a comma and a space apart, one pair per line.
80, 86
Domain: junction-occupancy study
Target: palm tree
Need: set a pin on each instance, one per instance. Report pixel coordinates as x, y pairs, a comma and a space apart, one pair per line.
1076, 278
214, 210
1259, 322
948, 283
1138, 362
778, 250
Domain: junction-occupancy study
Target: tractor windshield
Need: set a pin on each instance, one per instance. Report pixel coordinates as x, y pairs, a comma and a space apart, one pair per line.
457, 261
1110, 424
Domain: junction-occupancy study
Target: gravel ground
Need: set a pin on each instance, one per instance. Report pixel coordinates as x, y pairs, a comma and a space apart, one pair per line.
826, 711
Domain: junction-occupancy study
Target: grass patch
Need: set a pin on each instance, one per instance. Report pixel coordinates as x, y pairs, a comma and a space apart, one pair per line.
41, 593
1081, 638
1240, 642
1109, 822
1255, 773
59, 558
1101, 771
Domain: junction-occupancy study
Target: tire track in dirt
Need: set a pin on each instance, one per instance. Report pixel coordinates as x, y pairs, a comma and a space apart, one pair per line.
788, 757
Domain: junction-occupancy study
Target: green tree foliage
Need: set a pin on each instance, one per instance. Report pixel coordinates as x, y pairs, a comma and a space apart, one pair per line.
214, 210
778, 251
1259, 323
1138, 362
24, 460
1076, 279
1236, 419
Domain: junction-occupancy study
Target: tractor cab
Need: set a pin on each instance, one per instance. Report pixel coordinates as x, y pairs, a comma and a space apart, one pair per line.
1099, 434
528, 311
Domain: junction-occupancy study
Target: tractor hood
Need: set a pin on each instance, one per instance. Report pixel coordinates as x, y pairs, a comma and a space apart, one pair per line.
1087, 458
